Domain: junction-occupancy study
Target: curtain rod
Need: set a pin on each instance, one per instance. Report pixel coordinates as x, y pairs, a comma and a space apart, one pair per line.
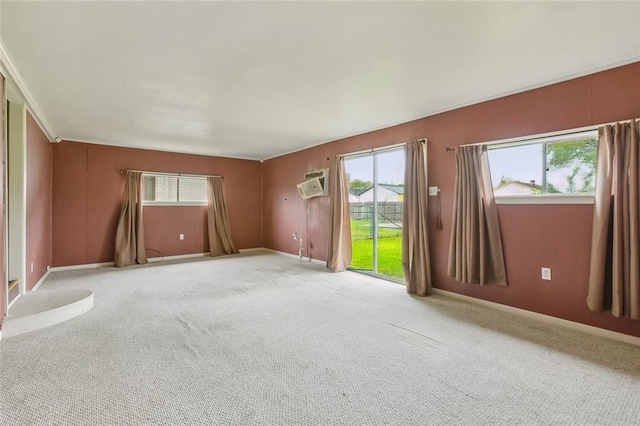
169, 173
545, 135
382, 148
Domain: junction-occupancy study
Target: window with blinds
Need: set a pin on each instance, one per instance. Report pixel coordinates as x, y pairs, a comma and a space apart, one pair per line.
167, 189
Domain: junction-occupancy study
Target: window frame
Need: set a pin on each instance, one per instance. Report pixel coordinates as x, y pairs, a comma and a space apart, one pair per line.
177, 203
545, 140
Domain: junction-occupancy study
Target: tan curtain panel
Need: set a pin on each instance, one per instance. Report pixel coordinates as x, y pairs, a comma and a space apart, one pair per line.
339, 256
130, 233
220, 241
415, 239
475, 250
614, 278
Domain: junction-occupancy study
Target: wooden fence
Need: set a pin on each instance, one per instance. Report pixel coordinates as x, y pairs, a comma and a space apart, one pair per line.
388, 212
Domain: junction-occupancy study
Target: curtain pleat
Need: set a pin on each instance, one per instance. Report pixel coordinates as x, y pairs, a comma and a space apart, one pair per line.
614, 277
475, 248
129, 246
220, 241
415, 239
339, 256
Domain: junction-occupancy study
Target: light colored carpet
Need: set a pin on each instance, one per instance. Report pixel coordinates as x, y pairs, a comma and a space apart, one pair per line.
264, 339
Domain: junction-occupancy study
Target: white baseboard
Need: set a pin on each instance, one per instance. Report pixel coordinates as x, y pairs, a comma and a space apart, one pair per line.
83, 266
13, 301
112, 264
41, 280
205, 254
293, 256
625, 338
176, 257
150, 260
252, 250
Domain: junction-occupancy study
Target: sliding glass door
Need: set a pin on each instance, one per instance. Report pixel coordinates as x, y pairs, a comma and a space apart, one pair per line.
376, 194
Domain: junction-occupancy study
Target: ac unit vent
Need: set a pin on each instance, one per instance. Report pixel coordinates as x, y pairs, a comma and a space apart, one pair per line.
310, 188
323, 176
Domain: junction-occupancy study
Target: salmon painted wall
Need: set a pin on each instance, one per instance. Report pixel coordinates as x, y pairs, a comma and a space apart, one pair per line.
87, 197
3, 285
557, 236
38, 243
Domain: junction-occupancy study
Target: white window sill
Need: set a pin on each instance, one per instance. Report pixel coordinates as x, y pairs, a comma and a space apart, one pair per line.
168, 204
545, 199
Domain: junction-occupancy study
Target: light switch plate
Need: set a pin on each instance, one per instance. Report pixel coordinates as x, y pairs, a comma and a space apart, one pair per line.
433, 190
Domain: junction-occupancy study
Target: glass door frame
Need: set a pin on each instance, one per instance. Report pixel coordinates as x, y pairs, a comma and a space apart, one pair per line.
374, 224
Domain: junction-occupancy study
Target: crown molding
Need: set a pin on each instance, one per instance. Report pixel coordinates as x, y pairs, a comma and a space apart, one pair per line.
13, 74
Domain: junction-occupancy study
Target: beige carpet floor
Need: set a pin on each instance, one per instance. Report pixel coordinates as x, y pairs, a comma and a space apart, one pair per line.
261, 338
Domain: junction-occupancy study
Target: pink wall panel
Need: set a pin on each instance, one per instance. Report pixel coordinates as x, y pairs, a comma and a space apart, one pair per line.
162, 231
69, 215
38, 244
557, 236
3, 288
615, 94
527, 113
104, 199
88, 185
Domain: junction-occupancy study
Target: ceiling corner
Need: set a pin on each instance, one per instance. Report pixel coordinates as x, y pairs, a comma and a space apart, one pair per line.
12, 74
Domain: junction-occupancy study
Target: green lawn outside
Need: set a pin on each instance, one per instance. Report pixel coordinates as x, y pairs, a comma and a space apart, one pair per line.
389, 249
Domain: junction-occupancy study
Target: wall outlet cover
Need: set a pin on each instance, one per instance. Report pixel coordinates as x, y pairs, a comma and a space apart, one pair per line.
433, 190
546, 273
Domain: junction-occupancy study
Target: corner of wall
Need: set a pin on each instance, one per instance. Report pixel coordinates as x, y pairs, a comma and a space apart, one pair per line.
262, 204
38, 244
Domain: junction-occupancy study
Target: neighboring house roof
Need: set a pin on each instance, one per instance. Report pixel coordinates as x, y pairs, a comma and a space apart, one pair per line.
360, 191
353, 198
398, 189
530, 185
516, 187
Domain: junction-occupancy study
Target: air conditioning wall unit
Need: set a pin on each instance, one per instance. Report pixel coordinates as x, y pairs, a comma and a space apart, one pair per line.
310, 188
316, 184
323, 177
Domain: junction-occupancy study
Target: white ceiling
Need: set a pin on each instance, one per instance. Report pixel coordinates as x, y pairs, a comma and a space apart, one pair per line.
259, 79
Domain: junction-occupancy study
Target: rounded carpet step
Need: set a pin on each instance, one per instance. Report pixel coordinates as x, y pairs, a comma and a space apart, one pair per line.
44, 308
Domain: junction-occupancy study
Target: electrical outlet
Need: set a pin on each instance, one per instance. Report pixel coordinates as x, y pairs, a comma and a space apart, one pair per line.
433, 191
546, 274
181, 237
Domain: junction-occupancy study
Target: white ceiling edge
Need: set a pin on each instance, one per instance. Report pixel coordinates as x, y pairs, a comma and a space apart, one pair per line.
559, 79
172, 151
12, 73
